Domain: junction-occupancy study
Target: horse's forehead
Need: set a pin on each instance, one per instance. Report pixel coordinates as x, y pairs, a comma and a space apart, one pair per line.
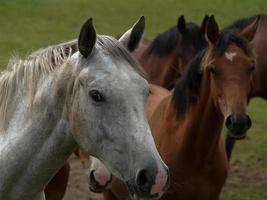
123, 78
119, 68
230, 55
116, 76
233, 53
102, 67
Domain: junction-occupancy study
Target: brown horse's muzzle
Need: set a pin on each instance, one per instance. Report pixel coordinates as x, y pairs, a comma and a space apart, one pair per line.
237, 125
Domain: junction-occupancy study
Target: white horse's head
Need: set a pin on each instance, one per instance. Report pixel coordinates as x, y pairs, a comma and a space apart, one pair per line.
108, 110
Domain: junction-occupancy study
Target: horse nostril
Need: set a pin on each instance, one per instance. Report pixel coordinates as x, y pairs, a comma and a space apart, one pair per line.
93, 185
228, 122
92, 178
142, 180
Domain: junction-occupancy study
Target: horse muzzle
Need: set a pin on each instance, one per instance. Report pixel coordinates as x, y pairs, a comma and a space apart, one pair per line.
149, 186
237, 125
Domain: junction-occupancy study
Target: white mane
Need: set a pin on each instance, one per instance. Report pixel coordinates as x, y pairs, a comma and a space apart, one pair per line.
26, 73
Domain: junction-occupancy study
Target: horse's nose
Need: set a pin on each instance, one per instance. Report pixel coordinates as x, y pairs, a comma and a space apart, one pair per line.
152, 185
237, 125
162, 182
144, 180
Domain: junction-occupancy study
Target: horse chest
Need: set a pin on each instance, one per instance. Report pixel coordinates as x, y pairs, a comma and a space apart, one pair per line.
196, 181
195, 186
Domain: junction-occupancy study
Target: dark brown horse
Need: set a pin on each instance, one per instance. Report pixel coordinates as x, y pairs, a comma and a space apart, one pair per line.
166, 57
187, 124
56, 188
259, 46
142, 47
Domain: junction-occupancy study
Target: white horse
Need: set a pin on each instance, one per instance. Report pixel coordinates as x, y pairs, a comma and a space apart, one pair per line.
94, 98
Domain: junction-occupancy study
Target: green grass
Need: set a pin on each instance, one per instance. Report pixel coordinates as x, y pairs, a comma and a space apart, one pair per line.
30, 24
248, 177
246, 194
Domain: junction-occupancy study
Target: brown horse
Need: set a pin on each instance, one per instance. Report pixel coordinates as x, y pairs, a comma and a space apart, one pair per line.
142, 47
166, 57
259, 46
156, 95
56, 188
187, 124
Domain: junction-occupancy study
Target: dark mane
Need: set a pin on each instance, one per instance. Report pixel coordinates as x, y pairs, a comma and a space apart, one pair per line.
167, 41
194, 37
242, 23
187, 88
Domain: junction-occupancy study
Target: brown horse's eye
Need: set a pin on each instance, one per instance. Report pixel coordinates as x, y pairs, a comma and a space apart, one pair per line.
212, 69
252, 66
96, 96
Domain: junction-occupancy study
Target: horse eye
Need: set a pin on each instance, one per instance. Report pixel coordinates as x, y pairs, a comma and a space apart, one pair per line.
96, 96
211, 69
252, 66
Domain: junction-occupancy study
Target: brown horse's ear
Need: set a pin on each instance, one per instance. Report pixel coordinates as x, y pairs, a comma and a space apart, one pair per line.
87, 38
204, 23
132, 37
181, 24
212, 30
249, 31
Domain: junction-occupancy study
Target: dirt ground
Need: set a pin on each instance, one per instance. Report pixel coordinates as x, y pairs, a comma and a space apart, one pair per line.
247, 176
78, 187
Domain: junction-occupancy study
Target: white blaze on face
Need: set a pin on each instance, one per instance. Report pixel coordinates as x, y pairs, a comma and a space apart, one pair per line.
230, 55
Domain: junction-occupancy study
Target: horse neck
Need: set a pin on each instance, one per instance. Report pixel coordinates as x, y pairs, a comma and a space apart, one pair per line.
36, 142
259, 46
198, 133
202, 141
161, 69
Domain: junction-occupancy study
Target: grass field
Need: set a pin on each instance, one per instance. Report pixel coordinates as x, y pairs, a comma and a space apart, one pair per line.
30, 24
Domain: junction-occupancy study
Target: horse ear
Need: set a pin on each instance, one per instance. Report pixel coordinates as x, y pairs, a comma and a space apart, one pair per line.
181, 25
204, 23
132, 37
87, 38
212, 30
249, 31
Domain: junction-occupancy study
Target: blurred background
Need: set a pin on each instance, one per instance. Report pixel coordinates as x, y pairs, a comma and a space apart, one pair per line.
27, 25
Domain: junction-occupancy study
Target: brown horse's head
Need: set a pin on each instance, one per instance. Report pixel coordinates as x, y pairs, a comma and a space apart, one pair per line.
230, 64
191, 40
170, 52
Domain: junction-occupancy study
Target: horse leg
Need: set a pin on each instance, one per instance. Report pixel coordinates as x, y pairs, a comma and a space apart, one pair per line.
56, 188
229, 146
